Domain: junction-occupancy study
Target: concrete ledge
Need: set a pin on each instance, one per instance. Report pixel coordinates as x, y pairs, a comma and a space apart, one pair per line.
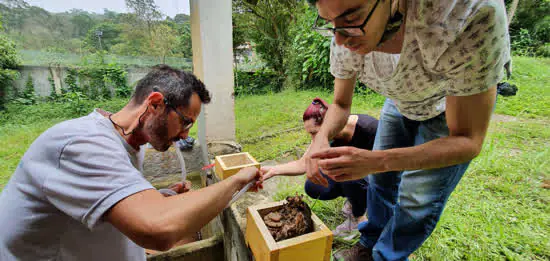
162, 167
208, 249
217, 148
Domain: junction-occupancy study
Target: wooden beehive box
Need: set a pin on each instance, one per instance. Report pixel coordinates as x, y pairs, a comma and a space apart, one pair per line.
314, 246
227, 165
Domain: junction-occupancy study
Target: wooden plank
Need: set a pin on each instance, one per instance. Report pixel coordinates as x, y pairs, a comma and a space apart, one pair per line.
259, 245
262, 228
305, 250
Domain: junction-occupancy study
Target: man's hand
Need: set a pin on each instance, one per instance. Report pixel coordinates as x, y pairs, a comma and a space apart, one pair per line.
348, 163
247, 175
177, 188
319, 144
467, 119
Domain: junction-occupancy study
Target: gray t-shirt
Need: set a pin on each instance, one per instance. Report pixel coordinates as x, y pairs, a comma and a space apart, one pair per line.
52, 208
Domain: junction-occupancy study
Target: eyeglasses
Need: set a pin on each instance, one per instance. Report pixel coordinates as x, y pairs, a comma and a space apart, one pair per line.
186, 122
347, 31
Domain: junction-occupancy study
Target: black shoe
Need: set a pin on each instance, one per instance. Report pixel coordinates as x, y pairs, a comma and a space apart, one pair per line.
186, 144
505, 89
357, 253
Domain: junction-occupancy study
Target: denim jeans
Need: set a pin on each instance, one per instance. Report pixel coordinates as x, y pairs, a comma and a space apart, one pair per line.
403, 207
355, 191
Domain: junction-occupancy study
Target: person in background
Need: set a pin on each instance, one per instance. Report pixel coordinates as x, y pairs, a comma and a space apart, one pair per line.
358, 132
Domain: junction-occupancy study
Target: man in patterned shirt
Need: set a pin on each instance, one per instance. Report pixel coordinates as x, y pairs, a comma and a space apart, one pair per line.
438, 64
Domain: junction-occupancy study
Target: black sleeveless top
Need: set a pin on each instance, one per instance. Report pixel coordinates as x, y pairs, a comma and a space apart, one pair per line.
363, 137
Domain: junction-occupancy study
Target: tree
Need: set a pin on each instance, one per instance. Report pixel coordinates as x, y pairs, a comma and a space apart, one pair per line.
111, 16
163, 42
181, 18
307, 62
184, 46
9, 62
239, 32
13, 12
103, 36
530, 28
269, 22
82, 22
146, 11
512, 10
15, 3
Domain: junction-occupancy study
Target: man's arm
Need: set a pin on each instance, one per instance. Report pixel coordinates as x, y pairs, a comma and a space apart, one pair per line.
339, 111
467, 118
334, 121
157, 222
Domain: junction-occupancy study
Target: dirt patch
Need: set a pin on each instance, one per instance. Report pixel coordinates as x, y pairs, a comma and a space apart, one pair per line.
514, 152
291, 220
546, 184
503, 118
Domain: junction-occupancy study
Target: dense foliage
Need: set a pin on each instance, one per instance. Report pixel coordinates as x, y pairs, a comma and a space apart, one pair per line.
530, 28
144, 31
8, 63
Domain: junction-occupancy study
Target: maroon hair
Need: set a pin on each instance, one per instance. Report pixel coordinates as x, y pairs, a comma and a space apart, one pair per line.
316, 110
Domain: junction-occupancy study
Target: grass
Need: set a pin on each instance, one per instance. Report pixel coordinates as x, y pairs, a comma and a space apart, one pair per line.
267, 114
499, 211
532, 76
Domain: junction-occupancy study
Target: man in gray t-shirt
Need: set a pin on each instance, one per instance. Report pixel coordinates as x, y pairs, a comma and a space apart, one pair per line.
78, 193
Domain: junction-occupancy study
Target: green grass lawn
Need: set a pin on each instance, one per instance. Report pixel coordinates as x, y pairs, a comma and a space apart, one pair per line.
499, 211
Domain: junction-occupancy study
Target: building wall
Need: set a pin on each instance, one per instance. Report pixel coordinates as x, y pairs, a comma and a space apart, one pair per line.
42, 86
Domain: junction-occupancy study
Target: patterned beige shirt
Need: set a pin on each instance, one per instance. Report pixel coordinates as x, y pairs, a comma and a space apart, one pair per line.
450, 48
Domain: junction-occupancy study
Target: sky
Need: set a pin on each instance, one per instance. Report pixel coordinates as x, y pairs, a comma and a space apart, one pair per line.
167, 7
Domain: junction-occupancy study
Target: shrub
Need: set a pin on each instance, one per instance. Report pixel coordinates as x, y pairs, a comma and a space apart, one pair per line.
308, 60
96, 79
259, 82
544, 50
9, 62
523, 43
28, 96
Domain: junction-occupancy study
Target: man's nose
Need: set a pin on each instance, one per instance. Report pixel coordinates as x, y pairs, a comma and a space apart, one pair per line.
339, 38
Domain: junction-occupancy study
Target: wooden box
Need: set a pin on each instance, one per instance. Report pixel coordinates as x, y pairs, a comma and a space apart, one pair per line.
314, 246
227, 165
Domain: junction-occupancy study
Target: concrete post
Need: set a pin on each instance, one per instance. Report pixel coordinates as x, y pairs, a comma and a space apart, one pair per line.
211, 32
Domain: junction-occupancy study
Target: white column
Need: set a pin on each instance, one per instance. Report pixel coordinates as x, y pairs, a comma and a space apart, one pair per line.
211, 31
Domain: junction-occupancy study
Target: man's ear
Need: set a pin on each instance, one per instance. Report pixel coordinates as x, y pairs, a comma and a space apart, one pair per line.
156, 99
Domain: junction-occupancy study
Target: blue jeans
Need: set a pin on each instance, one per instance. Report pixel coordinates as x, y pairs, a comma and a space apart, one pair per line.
355, 191
403, 207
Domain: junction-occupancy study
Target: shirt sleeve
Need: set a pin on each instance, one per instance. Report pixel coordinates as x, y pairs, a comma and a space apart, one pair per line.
344, 64
94, 173
479, 55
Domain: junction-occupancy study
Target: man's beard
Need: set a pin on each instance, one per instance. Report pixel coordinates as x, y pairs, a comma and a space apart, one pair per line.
158, 133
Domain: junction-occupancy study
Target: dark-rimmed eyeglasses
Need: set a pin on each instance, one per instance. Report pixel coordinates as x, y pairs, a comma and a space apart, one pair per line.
347, 31
186, 122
